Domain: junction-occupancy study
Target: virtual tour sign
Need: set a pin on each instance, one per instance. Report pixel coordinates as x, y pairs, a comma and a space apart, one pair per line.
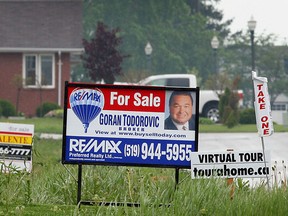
232, 164
16, 146
130, 125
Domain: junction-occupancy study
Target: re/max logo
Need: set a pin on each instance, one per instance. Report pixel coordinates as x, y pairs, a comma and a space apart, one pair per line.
87, 96
83, 145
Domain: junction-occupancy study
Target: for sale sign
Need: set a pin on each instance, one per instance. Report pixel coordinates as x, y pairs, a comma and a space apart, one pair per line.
130, 125
262, 106
16, 146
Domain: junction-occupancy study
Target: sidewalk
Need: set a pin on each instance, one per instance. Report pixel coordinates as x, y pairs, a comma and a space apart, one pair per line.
50, 136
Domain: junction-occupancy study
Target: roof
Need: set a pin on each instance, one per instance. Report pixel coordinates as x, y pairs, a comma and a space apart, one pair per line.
281, 98
28, 25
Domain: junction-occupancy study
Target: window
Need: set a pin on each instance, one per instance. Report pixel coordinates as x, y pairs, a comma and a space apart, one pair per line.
38, 70
181, 82
157, 82
278, 107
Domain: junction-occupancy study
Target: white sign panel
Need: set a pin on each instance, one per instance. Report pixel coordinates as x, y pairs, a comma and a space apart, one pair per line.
230, 164
262, 106
16, 146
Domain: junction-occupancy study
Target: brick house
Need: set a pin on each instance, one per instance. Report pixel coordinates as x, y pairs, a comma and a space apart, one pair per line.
37, 40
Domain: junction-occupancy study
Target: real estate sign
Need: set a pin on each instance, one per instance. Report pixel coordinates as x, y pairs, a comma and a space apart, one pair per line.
16, 146
262, 106
125, 125
230, 164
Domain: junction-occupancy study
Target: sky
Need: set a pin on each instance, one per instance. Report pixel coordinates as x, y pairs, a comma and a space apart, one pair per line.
271, 16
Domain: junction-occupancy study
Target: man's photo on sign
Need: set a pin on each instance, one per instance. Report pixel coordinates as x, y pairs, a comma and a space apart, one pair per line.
180, 111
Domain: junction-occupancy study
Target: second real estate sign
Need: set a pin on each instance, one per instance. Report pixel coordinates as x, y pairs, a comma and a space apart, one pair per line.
130, 125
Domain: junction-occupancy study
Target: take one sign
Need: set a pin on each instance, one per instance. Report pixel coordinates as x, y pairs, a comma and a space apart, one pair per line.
262, 106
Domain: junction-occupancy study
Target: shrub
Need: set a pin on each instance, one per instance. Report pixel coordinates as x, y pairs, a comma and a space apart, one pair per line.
228, 108
45, 108
58, 113
247, 116
205, 121
232, 119
7, 108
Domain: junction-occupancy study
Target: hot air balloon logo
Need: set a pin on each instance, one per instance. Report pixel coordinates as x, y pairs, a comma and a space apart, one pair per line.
86, 104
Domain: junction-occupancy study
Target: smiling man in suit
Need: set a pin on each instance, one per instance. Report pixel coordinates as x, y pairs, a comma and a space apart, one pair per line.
180, 108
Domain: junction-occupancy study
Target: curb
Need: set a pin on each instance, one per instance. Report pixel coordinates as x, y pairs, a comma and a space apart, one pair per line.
50, 136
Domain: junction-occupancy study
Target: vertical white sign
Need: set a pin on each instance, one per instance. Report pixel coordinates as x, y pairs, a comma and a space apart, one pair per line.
262, 106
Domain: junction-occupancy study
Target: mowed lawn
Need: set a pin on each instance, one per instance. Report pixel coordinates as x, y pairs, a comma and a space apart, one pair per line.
51, 188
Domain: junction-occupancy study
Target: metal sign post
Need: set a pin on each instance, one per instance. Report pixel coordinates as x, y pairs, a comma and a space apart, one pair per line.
79, 182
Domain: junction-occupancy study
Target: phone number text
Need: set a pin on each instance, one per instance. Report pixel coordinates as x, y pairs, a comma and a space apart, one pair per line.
152, 151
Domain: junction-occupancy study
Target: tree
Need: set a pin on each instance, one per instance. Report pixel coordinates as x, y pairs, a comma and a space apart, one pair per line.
102, 58
228, 105
226, 87
180, 38
214, 16
269, 61
18, 82
271, 64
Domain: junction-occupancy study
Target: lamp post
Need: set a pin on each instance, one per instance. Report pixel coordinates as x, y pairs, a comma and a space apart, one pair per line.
215, 46
148, 51
251, 27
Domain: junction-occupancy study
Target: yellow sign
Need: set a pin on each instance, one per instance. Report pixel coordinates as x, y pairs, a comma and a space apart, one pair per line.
16, 139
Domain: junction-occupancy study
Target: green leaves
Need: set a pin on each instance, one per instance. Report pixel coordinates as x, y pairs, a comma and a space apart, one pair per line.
102, 58
179, 36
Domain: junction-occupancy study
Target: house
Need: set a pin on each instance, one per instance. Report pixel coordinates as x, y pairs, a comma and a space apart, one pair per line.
37, 40
279, 110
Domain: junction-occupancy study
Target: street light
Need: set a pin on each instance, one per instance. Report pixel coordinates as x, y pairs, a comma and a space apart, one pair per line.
251, 27
148, 51
215, 46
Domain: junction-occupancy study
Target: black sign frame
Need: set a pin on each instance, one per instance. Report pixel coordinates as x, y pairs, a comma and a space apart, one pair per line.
195, 91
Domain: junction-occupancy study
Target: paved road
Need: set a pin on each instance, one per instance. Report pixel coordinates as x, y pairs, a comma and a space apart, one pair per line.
209, 142
276, 143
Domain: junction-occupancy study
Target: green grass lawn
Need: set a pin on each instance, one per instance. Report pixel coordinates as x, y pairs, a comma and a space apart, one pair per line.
219, 128
55, 125
41, 125
51, 188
